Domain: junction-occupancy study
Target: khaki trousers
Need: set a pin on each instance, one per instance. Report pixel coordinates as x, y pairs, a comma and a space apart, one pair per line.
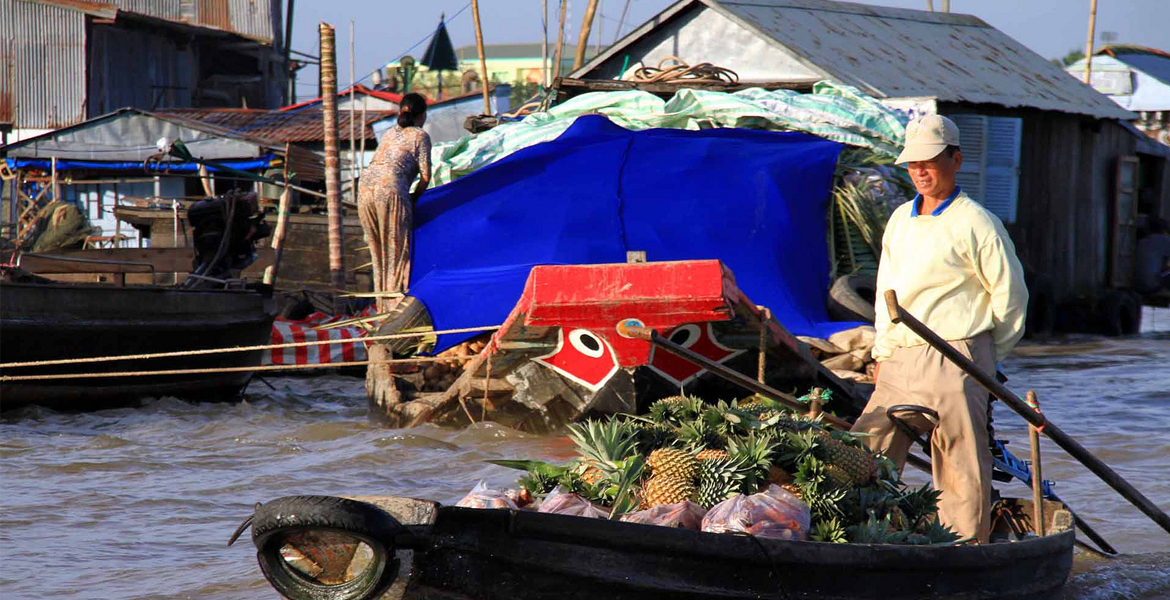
387, 227
960, 455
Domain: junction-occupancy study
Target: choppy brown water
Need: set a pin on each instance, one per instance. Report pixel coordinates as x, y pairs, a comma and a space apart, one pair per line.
139, 502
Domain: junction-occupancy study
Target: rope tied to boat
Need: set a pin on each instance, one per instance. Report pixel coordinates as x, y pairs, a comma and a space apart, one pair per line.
182, 353
212, 370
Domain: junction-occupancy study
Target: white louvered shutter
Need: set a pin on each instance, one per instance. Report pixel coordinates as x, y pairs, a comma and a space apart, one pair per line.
972, 139
1001, 172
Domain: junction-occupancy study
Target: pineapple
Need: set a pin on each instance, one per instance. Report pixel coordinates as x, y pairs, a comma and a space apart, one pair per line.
793, 489
711, 454
667, 490
755, 453
720, 479
855, 464
673, 463
700, 434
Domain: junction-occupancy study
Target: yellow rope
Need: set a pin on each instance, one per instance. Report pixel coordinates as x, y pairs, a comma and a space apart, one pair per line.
375, 338
360, 363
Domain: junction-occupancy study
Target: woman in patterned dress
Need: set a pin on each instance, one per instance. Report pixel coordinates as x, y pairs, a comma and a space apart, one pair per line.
385, 202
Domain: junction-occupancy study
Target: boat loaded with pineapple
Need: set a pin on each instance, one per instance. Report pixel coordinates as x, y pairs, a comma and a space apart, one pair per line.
695, 499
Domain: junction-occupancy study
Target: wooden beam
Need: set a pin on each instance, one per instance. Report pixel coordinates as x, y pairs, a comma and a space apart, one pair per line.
165, 260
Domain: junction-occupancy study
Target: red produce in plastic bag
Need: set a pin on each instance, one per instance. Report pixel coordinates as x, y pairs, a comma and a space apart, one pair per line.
482, 497
685, 514
773, 513
565, 503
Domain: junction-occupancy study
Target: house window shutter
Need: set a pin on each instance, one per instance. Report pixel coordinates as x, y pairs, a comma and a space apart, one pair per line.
991, 162
972, 138
1001, 178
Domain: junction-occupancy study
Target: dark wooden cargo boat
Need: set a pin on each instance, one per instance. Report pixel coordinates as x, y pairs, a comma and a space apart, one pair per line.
462, 553
50, 321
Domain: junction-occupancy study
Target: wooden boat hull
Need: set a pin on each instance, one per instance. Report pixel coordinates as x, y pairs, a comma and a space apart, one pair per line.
62, 321
463, 553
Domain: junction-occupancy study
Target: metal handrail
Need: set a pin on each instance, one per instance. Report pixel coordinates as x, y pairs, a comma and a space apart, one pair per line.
104, 261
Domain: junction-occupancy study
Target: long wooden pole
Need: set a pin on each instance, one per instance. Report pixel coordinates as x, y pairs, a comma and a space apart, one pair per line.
583, 36
1037, 473
1089, 43
352, 111
560, 41
332, 163
273, 270
1036, 419
487, 105
544, 43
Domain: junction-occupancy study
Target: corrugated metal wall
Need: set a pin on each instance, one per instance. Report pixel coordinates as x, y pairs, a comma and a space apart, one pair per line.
138, 67
250, 18
46, 64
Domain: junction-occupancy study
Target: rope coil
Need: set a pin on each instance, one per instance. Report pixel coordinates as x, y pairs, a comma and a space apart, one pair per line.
682, 73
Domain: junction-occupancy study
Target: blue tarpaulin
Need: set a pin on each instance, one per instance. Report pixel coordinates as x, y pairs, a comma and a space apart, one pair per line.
755, 200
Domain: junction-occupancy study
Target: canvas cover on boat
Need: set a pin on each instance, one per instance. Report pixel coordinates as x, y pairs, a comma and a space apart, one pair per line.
752, 199
832, 111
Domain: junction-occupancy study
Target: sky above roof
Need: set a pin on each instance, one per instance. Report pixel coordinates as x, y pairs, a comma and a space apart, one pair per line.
384, 31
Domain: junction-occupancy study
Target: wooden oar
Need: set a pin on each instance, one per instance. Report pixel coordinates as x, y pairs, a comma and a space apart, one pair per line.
1036, 419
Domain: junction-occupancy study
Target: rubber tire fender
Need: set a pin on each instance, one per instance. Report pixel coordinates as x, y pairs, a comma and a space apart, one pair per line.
1119, 313
360, 520
851, 298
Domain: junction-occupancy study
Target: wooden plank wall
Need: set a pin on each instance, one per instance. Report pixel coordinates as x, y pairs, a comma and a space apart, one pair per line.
1064, 217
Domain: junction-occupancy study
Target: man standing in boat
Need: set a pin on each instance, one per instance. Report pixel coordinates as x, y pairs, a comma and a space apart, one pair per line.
954, 267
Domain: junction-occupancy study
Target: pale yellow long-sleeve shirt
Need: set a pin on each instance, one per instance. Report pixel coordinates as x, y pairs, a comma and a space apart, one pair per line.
957, 272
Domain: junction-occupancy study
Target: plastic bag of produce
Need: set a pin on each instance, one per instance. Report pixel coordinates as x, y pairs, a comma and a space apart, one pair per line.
772, 513
685, 514
560, 502
482, 497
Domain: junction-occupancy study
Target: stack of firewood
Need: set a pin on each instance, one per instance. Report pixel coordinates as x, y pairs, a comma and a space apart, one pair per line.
439, 376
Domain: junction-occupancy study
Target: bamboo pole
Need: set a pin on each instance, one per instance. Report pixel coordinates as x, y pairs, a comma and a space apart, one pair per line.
273, 270
1037, 474
487, 105
1089, 43
205, 179
560, 42
56, 189
544, 43
583, 36
332, 166
352, 111
1056, 434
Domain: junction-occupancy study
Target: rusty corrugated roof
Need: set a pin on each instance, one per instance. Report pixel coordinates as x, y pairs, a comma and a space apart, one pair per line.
275, 126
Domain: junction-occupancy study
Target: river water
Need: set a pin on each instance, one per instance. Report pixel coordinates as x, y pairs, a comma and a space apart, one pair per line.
139, 502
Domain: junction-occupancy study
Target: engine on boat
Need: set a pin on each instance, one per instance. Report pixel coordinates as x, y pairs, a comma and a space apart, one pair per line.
225, 231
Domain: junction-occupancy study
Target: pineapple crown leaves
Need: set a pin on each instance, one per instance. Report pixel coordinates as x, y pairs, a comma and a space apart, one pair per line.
875, 531
939, 534
798, 446
700, 434
604, 442
828, 530
919, 504
756, 453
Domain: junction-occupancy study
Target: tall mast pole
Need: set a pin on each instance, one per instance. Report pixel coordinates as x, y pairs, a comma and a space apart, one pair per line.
1089, 44
332, 164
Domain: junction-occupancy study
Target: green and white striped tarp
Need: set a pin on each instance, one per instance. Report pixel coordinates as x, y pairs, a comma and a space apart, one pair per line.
839, 113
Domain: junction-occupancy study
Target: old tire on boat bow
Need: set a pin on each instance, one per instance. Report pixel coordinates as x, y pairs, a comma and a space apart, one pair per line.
852, 298
308, 546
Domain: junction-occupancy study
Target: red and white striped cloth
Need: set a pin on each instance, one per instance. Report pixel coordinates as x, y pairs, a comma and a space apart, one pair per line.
285, 331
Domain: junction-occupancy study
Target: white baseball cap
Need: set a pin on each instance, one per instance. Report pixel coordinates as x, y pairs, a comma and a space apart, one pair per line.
927, 137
